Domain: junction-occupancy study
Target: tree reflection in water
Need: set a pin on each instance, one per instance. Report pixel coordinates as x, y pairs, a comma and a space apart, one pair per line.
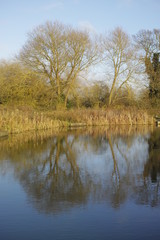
149, 192
75, 167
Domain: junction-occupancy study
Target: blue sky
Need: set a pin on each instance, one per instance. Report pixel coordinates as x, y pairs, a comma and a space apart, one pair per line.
18, 17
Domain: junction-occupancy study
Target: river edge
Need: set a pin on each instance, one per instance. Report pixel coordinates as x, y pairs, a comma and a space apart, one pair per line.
18, 121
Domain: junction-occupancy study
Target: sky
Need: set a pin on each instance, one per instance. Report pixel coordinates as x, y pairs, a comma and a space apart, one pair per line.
19, 17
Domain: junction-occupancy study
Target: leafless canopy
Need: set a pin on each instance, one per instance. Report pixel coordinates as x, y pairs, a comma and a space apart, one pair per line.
119, 57
60, 53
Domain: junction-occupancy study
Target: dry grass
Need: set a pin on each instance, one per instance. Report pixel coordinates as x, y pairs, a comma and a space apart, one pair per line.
104, 117
20, 120
17, 121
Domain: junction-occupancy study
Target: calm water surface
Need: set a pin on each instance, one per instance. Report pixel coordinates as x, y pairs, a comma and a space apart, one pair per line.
80, 184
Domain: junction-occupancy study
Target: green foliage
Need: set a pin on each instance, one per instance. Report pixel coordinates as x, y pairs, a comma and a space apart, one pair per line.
95, 95
149, 44
153, 71
19, 86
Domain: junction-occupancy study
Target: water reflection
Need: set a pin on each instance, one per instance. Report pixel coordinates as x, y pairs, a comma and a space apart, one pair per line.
149, 192
61, 170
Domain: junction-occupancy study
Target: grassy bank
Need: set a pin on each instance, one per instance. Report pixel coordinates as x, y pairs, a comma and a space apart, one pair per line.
16, 121
20, 120
103, 117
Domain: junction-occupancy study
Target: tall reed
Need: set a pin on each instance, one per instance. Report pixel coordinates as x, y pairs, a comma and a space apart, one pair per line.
19, 121
16, 121
104, 117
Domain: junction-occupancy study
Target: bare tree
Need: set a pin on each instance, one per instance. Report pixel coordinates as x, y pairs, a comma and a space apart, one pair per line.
60, 53
119, 57
148, 42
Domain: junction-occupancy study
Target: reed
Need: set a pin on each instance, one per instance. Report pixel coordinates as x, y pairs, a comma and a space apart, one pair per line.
104, 117
17, 121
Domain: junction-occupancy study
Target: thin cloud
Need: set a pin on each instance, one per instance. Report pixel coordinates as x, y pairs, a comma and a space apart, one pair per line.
46, 7
126, 2
76, 1
51, 6
85, 25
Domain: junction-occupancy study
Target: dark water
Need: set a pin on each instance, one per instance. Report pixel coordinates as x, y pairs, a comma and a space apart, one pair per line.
80, 184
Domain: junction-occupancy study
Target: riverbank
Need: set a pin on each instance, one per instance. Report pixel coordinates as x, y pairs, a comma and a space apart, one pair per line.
22, 120
17, 121
103, 117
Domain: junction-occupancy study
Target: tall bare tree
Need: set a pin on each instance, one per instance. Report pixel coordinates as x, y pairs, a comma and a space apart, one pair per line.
148, 42
60, 53
120, 61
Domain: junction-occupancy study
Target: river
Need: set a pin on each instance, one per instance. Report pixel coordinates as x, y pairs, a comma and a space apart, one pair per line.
92, 183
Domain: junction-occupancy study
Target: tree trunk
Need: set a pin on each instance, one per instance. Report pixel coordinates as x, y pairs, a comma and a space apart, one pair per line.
66, 98
111, 92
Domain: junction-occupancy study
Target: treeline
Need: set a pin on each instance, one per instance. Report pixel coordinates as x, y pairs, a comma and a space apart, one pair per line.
53, 69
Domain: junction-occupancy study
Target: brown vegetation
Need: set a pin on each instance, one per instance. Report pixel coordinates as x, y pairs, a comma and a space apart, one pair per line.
20, 120
103, 117
16, 121
50, 77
